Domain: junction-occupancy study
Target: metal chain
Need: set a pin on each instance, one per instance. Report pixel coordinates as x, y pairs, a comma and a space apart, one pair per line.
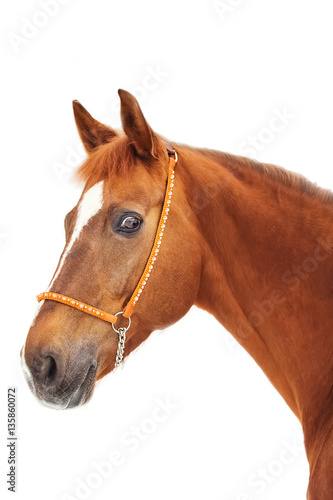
121, 346
121, 340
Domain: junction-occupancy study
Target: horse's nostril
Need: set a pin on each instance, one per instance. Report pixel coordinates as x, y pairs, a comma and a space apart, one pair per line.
61, 380
49, 369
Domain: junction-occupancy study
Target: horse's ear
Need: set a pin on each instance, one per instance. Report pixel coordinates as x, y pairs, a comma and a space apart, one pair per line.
135, 125
92, 132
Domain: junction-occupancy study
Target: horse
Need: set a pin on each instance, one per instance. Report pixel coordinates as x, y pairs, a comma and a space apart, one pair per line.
161, 227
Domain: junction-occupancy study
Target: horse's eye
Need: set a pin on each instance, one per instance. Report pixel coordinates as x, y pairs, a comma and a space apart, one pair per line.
130, 223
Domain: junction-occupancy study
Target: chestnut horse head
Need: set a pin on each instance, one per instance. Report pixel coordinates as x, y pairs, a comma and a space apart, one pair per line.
250, 243
109, 237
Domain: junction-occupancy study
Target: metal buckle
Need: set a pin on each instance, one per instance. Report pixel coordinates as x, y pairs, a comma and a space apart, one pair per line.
170, 149
122, 327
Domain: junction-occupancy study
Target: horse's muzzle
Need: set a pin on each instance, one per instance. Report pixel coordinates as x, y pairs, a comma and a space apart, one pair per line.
61, 383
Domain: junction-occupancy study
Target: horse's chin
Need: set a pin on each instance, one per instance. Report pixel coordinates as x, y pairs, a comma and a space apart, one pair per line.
79, 398
83, 394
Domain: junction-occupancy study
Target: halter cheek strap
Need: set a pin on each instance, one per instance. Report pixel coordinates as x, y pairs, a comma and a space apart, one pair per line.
128, 310
158, 238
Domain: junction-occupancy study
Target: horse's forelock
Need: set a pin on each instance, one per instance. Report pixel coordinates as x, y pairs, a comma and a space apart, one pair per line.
117, 158
114, 158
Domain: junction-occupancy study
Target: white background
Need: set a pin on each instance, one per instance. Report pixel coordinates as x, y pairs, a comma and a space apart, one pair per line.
221, 76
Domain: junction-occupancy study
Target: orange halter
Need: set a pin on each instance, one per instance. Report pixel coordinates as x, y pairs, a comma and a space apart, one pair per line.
127, 312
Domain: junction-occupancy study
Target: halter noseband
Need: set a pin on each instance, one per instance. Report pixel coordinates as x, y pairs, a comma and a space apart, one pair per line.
127, 312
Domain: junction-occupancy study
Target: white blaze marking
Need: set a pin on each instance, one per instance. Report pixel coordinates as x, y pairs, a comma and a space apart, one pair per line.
91, 203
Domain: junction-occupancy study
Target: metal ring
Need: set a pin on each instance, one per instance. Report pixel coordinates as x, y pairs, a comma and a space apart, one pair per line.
124, 328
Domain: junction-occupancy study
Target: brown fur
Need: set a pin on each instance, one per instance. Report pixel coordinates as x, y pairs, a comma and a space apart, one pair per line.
240, 242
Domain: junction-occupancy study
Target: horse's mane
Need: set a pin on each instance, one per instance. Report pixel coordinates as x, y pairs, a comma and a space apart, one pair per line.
118, 157
239, 166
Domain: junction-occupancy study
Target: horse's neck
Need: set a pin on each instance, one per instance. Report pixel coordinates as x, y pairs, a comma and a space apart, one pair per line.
267, 275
